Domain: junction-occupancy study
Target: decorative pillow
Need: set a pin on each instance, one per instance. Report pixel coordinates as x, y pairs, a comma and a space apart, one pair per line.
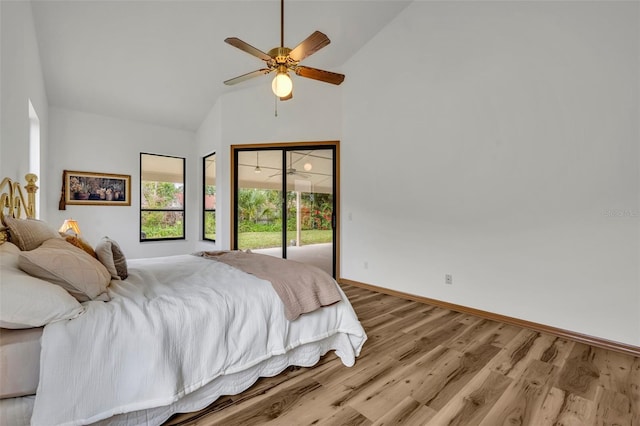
80, 243
28, 234
26, 301
69, 267
112, 258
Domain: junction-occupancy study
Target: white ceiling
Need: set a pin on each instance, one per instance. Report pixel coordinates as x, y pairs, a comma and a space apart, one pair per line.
164, 62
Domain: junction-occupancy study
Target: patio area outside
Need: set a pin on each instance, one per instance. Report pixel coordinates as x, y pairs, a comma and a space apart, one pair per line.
320, 255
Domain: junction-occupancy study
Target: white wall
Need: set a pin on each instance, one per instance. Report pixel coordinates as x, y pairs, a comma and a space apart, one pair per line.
208, 141
20, 80
247, 116
95, 143
500, 145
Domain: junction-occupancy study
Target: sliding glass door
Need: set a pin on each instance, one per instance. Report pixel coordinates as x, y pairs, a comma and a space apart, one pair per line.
284, 202
259, 217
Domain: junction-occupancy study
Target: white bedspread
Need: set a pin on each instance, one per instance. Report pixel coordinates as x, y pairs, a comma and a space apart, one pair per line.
178, 324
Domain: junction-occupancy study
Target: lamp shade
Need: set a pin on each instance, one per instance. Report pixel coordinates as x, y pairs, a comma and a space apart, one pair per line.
70, 224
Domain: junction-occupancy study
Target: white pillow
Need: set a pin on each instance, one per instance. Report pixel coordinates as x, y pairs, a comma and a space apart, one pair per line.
26, 301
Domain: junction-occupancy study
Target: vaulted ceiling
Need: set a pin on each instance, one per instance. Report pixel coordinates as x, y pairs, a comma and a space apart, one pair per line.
164, 62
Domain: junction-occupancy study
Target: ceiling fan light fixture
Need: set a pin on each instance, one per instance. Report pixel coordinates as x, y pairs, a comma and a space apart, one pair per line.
308, 167
282, 84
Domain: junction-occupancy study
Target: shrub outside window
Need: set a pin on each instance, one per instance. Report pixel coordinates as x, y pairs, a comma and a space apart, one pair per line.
162, 213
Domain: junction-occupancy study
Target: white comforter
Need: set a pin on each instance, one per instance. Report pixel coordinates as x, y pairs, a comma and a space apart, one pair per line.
178, 333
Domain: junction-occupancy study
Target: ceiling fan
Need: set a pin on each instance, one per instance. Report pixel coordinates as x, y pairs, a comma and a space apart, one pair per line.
282, 60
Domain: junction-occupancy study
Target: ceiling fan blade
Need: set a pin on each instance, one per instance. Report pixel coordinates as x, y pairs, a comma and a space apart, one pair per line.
322, 75
247, 76
246, 47
309, 46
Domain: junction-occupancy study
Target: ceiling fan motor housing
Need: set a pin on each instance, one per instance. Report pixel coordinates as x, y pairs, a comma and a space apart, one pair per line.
280, 55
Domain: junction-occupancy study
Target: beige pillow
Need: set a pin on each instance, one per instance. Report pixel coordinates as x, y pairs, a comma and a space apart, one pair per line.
111, 256
26, 301
28, 234
69, 267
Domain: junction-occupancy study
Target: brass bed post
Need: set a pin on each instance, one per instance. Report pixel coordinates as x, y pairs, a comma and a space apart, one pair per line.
31, 188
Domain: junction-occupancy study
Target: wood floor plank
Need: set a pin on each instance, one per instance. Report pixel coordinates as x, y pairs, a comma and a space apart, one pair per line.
579, 375
563, 408
558, 352
424, 342
515, 356
476, 331
613, 408
408, 412
389, 390
433, 319
615, 370
345, 416
426, 365
411, 307
523, 398
457, 376
473, 402
504, 334
268, 409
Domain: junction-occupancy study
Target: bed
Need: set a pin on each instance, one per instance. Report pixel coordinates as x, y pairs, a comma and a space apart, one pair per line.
133, 341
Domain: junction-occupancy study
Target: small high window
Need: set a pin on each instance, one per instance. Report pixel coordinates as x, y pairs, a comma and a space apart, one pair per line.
209, 198
162, 197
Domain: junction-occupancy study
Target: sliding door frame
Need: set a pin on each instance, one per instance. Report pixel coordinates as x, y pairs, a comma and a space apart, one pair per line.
288, 146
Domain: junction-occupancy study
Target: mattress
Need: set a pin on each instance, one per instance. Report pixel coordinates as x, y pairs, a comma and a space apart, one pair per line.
19, 361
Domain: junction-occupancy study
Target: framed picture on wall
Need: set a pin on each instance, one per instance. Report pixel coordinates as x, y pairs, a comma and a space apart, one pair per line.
97, 189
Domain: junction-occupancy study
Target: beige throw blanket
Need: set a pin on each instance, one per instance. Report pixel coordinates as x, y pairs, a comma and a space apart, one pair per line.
302, 288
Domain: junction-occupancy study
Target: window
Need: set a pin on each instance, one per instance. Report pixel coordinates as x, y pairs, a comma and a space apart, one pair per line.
209, 198
34, 148
161, 197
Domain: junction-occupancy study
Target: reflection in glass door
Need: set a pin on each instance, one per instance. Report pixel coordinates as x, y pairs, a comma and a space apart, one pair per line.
309, 182
291, 185
259, 215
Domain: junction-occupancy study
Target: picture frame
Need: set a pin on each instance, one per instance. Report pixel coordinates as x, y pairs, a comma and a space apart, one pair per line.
96, 189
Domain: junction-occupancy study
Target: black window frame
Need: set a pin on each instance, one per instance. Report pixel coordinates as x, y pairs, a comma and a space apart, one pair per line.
204, 194
184, 201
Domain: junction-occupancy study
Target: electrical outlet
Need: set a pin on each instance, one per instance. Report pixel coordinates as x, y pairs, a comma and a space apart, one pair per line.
366, 265
448, 279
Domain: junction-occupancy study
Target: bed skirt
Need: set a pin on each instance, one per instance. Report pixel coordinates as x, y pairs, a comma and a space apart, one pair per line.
17, 411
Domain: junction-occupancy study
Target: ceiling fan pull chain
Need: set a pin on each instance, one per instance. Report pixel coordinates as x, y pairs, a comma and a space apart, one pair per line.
275, 98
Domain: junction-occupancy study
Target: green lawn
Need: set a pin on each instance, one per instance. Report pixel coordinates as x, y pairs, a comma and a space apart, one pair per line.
254, 240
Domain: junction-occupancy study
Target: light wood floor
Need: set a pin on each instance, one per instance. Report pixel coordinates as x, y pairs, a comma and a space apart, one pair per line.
424, 365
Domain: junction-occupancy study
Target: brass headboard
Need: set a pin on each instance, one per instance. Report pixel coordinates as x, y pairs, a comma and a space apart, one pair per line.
13, 202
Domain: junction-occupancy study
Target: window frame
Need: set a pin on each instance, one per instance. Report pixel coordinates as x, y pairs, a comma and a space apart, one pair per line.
184, 201
204, 195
